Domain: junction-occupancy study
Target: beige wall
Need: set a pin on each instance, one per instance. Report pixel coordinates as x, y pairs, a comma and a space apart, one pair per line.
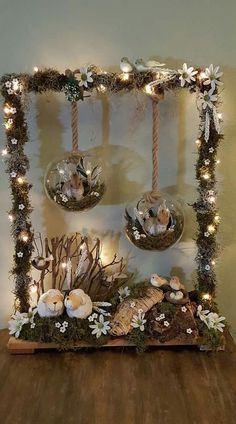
74, 32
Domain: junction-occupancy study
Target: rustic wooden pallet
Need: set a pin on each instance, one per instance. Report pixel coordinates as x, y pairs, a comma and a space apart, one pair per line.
19, 346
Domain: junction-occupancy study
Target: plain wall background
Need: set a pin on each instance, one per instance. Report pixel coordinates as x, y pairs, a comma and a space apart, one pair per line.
72, 33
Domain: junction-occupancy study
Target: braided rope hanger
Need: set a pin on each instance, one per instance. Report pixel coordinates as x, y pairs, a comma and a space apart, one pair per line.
153, 195
74, 127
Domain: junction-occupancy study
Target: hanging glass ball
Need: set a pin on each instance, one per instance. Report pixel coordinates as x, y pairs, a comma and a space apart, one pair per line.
74, 181
154, 224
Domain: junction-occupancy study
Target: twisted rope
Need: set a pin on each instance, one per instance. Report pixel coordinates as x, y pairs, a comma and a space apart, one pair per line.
153, 195
74, 126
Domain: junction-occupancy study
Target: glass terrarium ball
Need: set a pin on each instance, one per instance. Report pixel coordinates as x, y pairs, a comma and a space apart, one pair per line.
74, 181
154, 226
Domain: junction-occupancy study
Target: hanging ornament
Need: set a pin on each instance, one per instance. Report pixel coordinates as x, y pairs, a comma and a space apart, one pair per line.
156, 221
74, 181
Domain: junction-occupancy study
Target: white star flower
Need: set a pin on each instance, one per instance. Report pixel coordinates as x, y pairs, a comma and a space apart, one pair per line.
57, 324
212, 76
10, 91
189, 331
20, 254
8, 84
138, 321
206, 234
132, 304
186, 74
14, 141
207, 99
62, 329
184, 309
84, 76
161, 317
166, 323
100, 327
13, 174
65, 323
32, 325
21, 207
207, 162
211, 150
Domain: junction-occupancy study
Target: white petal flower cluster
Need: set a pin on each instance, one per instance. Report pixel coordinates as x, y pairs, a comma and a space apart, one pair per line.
186, 74
100, 326
138, 321
123, 293
19, 319
211, 319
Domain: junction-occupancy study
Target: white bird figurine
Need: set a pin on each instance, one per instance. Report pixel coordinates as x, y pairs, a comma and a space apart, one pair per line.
158, 281
175, 284
41, 263
149, 65
126, 65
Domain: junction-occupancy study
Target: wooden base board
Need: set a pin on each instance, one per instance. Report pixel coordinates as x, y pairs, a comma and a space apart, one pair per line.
19, 346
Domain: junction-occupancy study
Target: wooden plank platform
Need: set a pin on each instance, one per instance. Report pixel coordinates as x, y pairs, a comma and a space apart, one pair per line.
20, 347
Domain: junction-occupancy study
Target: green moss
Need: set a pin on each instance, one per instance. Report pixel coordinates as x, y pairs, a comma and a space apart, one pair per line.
209, 337
169, 309
139, 339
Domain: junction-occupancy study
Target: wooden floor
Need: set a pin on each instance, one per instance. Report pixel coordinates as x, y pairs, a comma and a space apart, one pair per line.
115, 387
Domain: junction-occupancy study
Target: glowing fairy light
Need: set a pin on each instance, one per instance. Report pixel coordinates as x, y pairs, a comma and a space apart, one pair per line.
217, 218
220, 116
7, 110
206, 176
4, 152
36, 69
212, 199
125, 76
8, 125
211, 229
218, 161
213, 263
33, 288
206, 296
148, 89
63, 265
10, 217
102, 88
202, 75
20, 180
198, 142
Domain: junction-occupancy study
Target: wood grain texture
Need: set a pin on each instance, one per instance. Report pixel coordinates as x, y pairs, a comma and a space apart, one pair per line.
109, 386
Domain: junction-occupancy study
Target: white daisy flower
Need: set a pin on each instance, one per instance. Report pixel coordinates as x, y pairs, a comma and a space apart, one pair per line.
10, 91
20, 254
211, 150
184, 309
202, 314
186, 74
32, 325
16, 323
207, 98
100, 327
132, 304
138, 321
166, 323
206, 234
137, 236
65, 324
21, 207
212, 76
207, 162
13, 174
8, 84
123, 293
14, 141
57, 324
215, 321
189, 331
62, 329
84, 76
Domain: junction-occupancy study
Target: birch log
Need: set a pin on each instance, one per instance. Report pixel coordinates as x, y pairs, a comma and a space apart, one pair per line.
121, 322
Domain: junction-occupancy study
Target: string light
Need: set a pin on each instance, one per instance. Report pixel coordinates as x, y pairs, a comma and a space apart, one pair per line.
88, 172
63, 265
148, 89
4, 152
206, 176
218, 161
15, 85
220, 116
10, 217
7, 110
217, 218
102, 88
36, 69
33, 288
7, 125
211, 229
212, 199
206, 296
125, 76
213, 262
20, 180
24, 237
198, 142
202, 75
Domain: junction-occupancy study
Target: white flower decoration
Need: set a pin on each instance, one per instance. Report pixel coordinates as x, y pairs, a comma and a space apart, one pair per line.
14, 141
207, 267
206, 234
211, 150
8, 84
10, 91
211, 192
166, 323
100, 327
212, 76
84, 76
202, 314
16, 323
65, 323
62, 329
92, 317
20, 254
207, 99
186, 74
123, 293
189, 331
32, 325
10, 121
57, 324
64, 198
132, 304
13, 174
161, 317
184, 309
134, 228
13, 110
137, 236
138, 321
21, 207
215, 321
207, 162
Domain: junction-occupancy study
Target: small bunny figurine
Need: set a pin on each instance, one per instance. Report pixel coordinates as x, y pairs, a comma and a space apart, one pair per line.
74, 187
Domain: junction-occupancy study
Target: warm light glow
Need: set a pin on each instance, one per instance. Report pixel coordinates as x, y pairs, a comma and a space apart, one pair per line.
213, 262
202, 75
198, 142
206, 296
125, 67
220, 116
4, 152
7, 125
211, 229
148, 89
206, 176
10, 217
102, 88
212, 199
7, 110
61, 171
63, 265
33, 289
125, 76
20, 180
25, 238
217, 218
15, 85
218, 161
36, 69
